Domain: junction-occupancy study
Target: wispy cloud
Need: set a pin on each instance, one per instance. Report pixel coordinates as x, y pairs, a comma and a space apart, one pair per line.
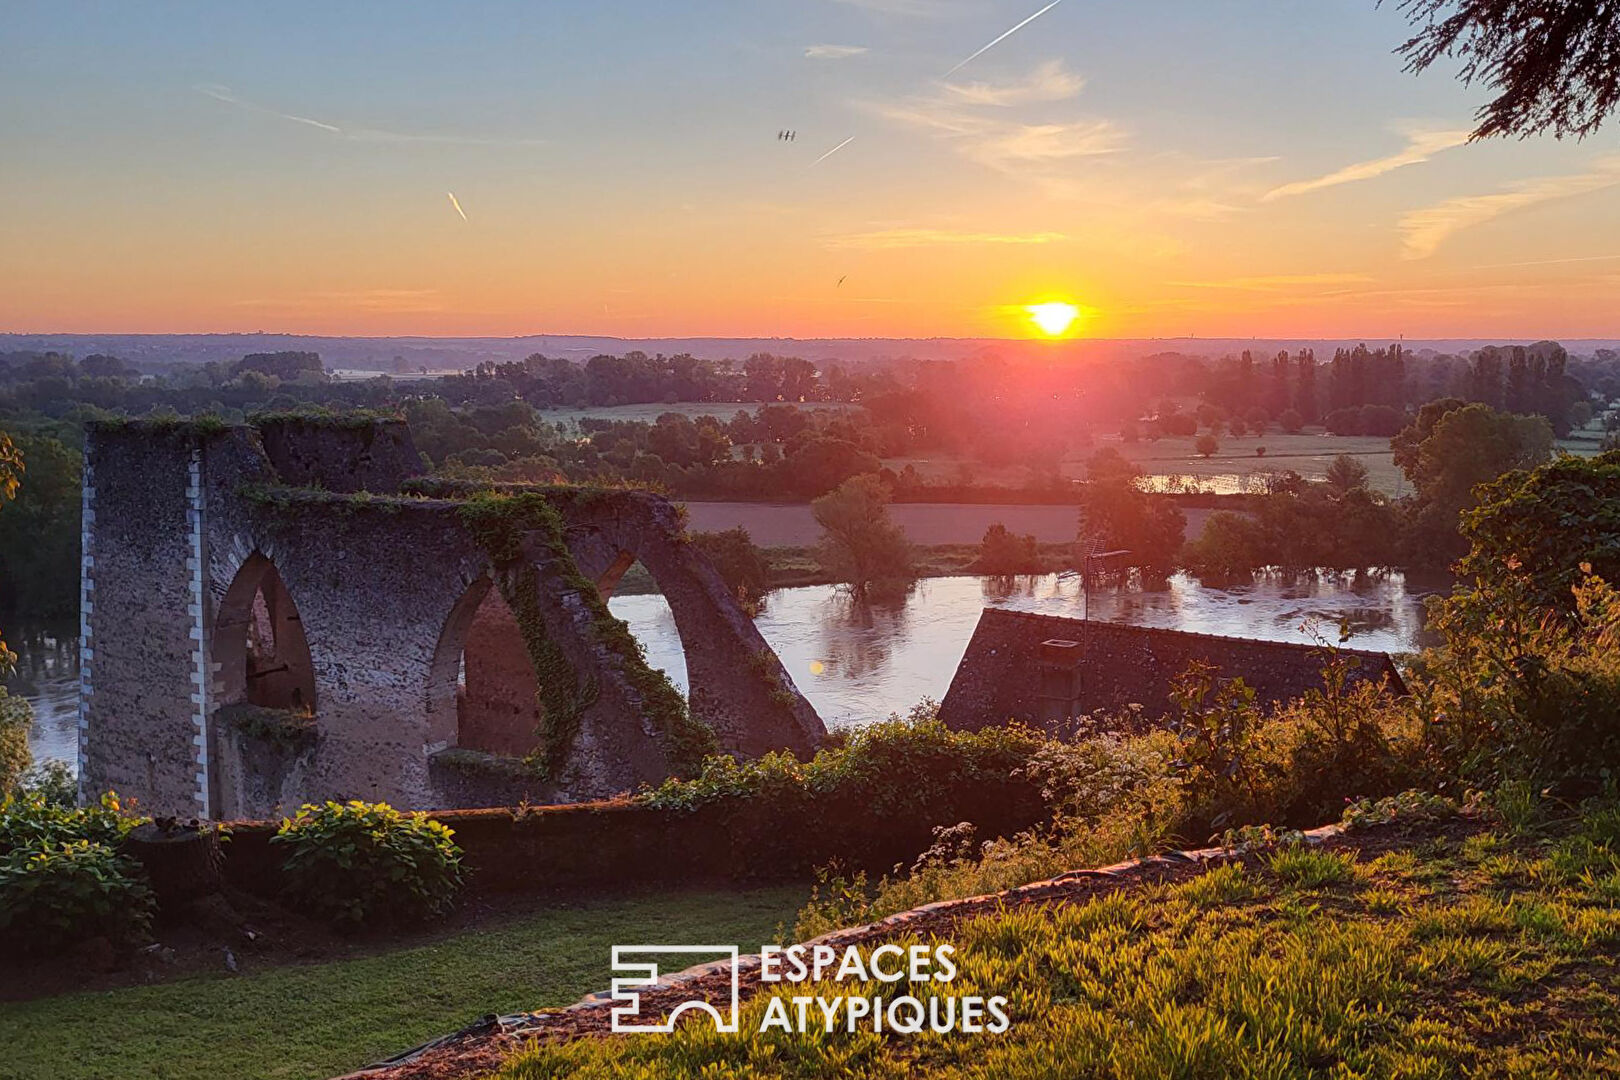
227, 96
833, 52
972, 119
889, 239
1420, 147
1049, 82
1424, 230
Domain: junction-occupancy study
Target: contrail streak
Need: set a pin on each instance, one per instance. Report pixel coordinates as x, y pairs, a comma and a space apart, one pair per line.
1002, 38
831, 152
457, 205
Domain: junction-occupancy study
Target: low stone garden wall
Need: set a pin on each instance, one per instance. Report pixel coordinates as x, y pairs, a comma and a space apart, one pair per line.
623, 843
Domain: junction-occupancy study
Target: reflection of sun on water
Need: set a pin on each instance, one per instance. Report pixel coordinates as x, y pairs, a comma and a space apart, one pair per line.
817, 667
1053, 318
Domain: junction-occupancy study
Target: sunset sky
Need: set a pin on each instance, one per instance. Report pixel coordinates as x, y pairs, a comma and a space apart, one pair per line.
1210, 167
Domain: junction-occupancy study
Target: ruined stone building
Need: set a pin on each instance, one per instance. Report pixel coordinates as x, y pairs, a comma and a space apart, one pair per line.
1043, 670
286, 611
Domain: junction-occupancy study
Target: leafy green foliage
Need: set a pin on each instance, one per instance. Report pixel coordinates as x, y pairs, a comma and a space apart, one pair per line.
1005, 552
39, 530
1516, 691
355, 863
861, 546
34, 818
937, 762
743, 567
58, 893
1547, 523
501, 522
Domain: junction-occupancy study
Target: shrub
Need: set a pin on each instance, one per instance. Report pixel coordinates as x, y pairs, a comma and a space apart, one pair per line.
358, 862
1291, 422
54, 895
33, 819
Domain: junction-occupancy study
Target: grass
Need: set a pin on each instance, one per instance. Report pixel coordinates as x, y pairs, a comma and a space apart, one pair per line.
649, 413
1308, 453
1307, 963
311, 1021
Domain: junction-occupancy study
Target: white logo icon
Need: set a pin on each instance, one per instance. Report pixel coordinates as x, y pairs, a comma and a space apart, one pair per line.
625, 1016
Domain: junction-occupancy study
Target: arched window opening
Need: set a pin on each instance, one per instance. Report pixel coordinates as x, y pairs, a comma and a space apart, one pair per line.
482, 692
259, 643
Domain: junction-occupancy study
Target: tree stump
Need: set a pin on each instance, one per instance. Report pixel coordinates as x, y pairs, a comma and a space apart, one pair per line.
183, 862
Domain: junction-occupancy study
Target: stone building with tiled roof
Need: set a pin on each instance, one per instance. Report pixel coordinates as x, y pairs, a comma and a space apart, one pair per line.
1042, 669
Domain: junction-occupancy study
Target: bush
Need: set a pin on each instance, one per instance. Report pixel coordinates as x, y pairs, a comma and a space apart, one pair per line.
33, 819
357, 862
1291, 422
55, 895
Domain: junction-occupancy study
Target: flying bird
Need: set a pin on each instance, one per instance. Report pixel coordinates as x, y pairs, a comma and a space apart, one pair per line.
787, 136
831, 152
457, 205
1002, 38
840, 284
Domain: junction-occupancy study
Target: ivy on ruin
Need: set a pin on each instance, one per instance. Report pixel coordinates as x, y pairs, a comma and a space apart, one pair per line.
500, 523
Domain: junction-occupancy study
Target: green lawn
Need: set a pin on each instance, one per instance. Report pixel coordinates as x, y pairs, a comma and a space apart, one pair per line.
320, 1020
1490, 954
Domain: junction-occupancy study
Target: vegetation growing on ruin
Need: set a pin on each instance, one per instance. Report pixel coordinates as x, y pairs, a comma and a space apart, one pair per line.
500, 523
287, 728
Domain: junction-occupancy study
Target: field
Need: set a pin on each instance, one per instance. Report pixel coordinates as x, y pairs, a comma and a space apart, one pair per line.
650, 412
314, 1020
1236, 466
929, 524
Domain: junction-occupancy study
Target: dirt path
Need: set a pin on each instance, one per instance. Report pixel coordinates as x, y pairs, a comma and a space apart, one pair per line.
791, 524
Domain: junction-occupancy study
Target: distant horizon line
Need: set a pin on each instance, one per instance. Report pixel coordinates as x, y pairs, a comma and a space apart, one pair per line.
1393, 338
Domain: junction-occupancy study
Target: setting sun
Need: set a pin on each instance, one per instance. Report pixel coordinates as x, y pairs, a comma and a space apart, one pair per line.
1053, 318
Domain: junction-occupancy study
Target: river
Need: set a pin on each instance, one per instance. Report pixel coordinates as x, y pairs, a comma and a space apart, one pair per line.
857, 662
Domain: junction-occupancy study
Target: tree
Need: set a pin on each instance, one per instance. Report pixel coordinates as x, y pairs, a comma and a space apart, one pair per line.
1291, 422
1471, 445
1121, 517
1551, 65
14, 713
1545, 524
1206, 444
861, 546
39, 531
820, 465
1344, 475
1230, 546
1004, 552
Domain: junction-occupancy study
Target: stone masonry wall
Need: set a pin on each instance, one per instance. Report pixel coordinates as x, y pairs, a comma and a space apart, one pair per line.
185, 524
